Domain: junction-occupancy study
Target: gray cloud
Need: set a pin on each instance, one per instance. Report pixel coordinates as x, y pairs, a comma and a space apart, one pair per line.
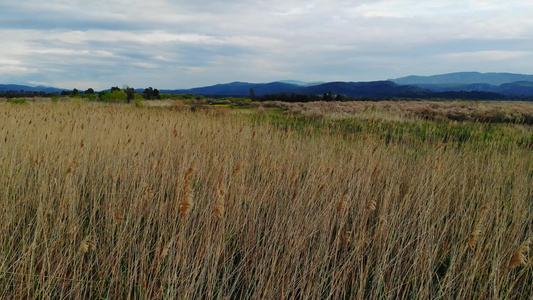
178, 44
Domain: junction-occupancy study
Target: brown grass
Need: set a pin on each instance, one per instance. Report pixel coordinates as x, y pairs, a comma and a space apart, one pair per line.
491, 111
91, 198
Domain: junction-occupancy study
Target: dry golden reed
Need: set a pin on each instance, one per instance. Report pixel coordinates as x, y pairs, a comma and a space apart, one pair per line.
87, 245
187, 200
238, 169
341, 204
166, 248
139, 219
478, 226
219, 205
371, 205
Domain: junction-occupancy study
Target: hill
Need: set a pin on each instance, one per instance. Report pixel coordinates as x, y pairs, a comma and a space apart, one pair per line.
27, 88
513, 88
464, 78
238, 89
377, 89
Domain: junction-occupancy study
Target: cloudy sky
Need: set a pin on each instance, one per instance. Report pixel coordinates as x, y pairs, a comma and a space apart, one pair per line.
183, 44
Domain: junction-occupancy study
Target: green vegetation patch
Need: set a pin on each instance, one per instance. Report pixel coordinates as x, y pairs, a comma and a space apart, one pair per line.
407, 132
17, 101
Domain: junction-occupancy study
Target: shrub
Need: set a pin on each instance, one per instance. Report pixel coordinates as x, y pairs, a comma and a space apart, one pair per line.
139, 102
17, 101
90, 97
115, 96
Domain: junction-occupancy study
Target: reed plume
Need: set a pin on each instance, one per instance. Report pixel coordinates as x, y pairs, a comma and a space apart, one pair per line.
166, 249
87, 245
219, 206
187, 202
520, 257
371, 206
477, 228
341, 204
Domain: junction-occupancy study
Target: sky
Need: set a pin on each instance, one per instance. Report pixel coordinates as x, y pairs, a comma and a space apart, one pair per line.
183, 44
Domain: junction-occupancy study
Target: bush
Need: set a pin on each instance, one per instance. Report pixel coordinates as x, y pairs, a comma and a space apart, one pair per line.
115, 96
139, 102
90, 97
17, 101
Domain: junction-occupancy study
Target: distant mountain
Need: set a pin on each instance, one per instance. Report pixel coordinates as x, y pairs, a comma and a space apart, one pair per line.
301, 83
447, 87
464, 85
238, 89
464, 78
512, 88
517, 88
376, 89
18, 87
501, 83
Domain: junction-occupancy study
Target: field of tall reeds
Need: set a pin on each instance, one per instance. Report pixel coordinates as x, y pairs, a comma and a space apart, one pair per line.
120, 202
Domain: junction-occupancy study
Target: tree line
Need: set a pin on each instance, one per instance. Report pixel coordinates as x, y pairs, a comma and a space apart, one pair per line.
115, 93
127, 94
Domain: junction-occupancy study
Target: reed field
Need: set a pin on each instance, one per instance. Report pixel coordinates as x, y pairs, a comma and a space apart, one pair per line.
107, 201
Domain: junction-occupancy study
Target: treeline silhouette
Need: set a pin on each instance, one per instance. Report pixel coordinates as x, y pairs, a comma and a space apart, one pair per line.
450, 95
150, 93
25, 94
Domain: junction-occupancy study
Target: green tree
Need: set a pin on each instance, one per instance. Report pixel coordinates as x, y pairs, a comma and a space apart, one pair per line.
252, 94
148, 93
130, 92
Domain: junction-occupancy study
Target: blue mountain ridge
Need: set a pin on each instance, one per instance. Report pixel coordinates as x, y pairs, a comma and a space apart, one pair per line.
19, 87
410, 86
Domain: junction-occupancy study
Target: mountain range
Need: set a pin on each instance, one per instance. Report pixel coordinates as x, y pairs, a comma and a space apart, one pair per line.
472, 85
464, 78
19, 87
376, 89
411, 86
502, 83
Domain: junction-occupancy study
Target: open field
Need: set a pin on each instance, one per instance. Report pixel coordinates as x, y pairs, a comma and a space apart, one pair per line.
121, 202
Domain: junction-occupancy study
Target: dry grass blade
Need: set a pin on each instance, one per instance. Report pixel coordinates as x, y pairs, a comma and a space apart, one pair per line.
166, 248
187, 201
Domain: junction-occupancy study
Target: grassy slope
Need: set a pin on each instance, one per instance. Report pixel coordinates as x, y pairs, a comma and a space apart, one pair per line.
92, 199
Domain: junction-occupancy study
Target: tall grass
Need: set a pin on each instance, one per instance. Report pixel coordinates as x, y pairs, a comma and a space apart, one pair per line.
119, 202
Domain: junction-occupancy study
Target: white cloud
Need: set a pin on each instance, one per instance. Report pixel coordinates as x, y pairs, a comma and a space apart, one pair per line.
80, 85
38, 83
145, 65
195, 69
162, 58
213, 41
486, 56
16, 70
